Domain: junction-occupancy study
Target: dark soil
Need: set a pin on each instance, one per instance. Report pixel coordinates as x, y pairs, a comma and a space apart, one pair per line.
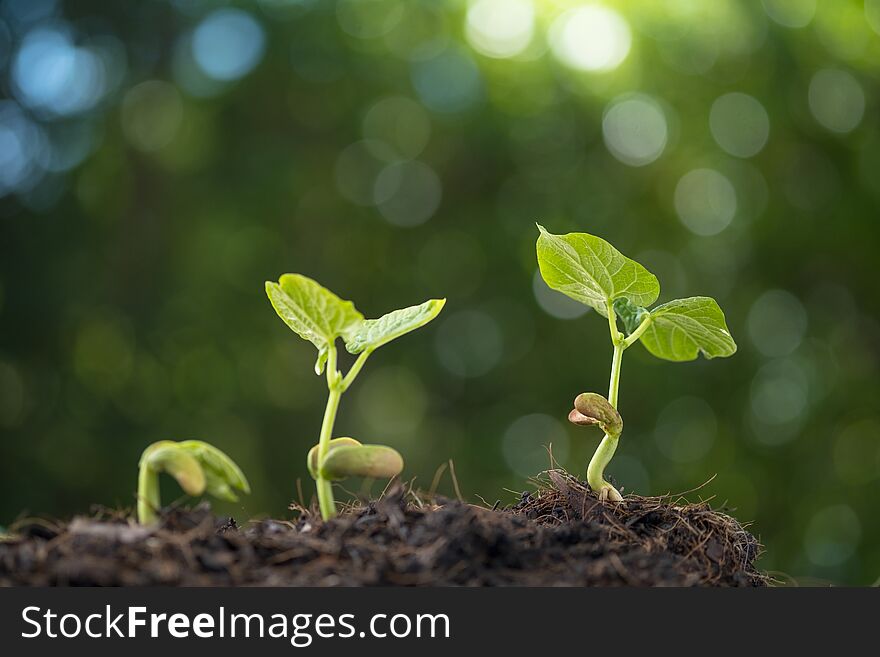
559, 535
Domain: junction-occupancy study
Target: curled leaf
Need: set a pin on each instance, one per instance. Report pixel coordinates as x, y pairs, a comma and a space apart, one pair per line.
312, 458
167, 456
222, 476
376, 461
592, 408
630, 314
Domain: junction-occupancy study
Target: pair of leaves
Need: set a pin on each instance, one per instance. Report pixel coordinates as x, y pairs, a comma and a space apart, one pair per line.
347, 457
198, 467
316, 314
590, 270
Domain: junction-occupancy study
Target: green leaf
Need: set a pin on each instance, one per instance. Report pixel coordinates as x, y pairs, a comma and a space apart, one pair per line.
373, 333
321, 362
683, 328
376, 461
631, 315
588, 269
222, 476
313, 312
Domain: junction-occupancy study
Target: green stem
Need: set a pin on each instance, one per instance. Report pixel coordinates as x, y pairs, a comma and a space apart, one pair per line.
596, 469
334, 384
616, 335
325, 488
148, 501
605, 451
614, 384
637, 333
355, 369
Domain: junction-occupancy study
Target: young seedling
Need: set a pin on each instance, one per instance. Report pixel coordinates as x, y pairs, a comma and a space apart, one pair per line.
197, 466
588, 269
316, 314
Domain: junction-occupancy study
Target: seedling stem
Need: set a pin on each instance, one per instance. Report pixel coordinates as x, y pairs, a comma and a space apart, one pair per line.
335, 384
608, 445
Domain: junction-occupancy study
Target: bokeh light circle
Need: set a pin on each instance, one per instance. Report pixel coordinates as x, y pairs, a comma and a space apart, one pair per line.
152, 113
22, 144
779, 396
369, 19
634, 128
837, 100
449, 82
832, 535
872, 14
227, 44
423, 31
591, 38
52, 75
686, 429
705, 201
790, 13
777, 323
407, 193
357, 168
400, 123
739, 124
500, 28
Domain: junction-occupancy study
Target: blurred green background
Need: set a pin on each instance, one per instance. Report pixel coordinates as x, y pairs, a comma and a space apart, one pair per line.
160, 160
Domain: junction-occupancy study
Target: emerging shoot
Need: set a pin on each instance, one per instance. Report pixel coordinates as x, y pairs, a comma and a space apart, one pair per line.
588, 269
197, 466
316, 314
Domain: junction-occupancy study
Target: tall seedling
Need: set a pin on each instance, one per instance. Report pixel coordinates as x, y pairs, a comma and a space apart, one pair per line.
589, 270
316, 314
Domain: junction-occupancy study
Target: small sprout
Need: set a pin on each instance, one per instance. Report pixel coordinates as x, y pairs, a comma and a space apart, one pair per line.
197, 466
316, 314
590, 270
